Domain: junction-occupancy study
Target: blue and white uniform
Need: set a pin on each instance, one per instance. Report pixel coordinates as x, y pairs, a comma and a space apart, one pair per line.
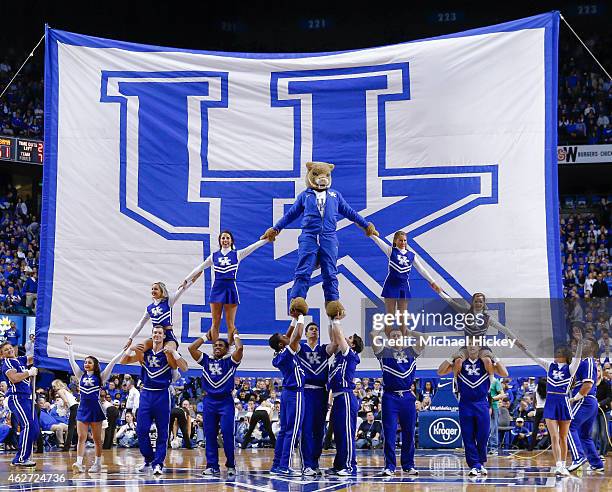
314, 363
343, 416
401, 261
558, 380
225, 263
160, 314
398, 403
218, 407
292, 407
90, 409
473, 384
584, 414
19, 396
318, 241
155, 406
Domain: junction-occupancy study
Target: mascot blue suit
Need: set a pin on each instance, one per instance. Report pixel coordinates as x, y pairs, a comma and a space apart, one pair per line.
320, 206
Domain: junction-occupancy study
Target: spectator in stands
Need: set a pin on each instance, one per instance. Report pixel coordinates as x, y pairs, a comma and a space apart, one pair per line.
522, 409
600, 288
520, 434
541, 437
5, 428
369, 432
133, 397
604, 399
126, 435
538, 412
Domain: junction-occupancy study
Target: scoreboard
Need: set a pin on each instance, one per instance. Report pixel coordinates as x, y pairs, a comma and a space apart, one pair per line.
21, 150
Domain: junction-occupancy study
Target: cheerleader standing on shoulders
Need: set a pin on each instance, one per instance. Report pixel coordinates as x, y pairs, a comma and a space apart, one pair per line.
396, 289
557, 411
224, 292
160, 314
90, 412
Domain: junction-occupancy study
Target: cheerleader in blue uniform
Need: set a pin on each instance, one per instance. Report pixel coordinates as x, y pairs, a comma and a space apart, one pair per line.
396, 289
557, 411
224, 292
90, 412
160, 314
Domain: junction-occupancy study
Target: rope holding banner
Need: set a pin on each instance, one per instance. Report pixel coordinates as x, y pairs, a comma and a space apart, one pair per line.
22, 65
585, 46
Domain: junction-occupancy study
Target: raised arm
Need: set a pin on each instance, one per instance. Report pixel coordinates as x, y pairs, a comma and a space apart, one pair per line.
239, 351
243, 253
332, 346
338, 336
76, 370
108, 370
385, 248
577, 358
296, 335
132, 355
501, 370
194, 348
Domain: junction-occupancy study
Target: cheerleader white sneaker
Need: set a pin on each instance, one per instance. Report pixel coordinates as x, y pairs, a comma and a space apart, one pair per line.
95, 468
78, 468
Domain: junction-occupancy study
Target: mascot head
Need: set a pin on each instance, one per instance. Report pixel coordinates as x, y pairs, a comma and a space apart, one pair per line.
318, 176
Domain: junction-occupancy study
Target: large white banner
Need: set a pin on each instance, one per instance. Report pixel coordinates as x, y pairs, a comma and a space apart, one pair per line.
150, 152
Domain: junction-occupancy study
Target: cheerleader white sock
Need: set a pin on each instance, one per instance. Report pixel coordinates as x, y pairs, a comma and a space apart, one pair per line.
79, 460
98, 460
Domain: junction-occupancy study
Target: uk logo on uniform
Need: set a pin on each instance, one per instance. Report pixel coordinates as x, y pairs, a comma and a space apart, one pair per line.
557, 374
88, 381
400, 357
153, 361
472, 370
313, 358
214, 369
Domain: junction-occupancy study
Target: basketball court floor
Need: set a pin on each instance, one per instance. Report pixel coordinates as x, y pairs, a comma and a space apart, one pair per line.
438, 471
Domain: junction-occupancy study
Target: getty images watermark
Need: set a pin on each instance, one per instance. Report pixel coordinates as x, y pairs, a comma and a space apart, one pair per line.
471, 325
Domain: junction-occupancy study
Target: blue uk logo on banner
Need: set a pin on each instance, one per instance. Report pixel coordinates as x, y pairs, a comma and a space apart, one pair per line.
152, 152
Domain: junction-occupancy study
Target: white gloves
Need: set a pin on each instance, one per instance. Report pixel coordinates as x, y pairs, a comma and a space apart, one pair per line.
32, 371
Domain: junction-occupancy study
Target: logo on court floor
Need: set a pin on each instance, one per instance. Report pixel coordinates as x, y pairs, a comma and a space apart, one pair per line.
444, 431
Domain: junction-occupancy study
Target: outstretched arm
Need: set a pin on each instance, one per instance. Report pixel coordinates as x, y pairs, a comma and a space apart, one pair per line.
541, 362
504, 329
243, 253
386, 248
76, 370
293, 213
188, 282
332, 346
459, 305
137, 329
426, 275
347, 211
108, 370
197, 271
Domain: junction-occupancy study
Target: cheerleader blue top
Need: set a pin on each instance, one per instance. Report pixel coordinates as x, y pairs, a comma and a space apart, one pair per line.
314, 363
586, 373
287, 362
218, 375
342, 371
398, 367
156, 373
473, 381
19, 364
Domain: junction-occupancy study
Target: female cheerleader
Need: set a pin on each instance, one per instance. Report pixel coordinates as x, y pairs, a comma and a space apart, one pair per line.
90, 412
557, 412
160, 314
62, 391
477, 326
396, 289
224, 293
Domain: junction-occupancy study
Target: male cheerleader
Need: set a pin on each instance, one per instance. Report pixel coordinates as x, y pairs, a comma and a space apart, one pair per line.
19, 397
286, 360
157, 364
584, 412
398, 366
218, 382
343, 417
473, 382
313, 358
